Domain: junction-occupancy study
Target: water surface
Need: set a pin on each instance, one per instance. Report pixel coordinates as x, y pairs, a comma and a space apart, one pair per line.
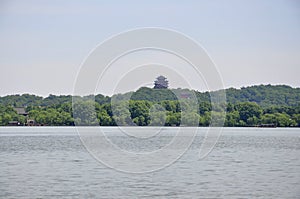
50, 162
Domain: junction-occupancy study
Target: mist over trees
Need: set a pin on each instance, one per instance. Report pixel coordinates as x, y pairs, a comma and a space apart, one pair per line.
250, 106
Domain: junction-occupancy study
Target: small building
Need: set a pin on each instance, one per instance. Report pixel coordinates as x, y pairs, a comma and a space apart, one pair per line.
14, 123
267, 125
31, 122
161, 82
21, 111
185, 95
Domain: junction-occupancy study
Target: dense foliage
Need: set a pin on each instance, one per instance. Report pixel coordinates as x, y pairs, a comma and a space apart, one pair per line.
251, 106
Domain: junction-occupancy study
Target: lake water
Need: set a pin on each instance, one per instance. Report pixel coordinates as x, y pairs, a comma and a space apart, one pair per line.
49, 162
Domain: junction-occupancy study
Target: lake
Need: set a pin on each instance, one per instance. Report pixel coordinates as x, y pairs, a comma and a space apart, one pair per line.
51, 162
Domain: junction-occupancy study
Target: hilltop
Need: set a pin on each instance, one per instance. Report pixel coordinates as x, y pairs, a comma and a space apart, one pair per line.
263, 95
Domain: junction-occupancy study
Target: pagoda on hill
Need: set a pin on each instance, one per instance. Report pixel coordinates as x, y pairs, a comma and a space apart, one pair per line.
161, 82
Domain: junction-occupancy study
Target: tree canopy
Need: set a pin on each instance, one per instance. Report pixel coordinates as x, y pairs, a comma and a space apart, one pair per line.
251, 106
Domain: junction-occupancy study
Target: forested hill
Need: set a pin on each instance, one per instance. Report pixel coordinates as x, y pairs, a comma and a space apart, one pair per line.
251, 106
263, 95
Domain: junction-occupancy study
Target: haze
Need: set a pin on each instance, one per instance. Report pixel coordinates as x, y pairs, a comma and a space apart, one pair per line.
43, 43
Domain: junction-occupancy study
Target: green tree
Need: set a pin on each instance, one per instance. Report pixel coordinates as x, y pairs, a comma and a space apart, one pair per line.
205, 119
121, 114
249, 112
84, 113
279, 119
157, 115
105, 119
190, 119
232, 118
296, 118
173, 119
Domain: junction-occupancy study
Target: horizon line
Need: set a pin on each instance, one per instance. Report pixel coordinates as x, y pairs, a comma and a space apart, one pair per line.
230, 87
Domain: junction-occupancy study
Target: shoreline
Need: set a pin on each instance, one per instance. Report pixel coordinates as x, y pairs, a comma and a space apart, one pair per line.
252, 127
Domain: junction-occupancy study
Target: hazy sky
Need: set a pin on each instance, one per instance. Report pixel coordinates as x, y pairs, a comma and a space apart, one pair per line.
43, 43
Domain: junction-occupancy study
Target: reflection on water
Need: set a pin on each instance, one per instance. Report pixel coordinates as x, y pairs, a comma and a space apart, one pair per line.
246, 163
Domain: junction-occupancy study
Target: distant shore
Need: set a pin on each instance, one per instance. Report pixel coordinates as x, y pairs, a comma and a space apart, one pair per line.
265, 106
257, 127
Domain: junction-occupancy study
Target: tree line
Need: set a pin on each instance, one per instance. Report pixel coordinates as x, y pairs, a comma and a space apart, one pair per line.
252, 106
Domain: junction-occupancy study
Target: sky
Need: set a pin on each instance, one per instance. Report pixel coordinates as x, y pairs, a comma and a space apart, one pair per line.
45, 43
